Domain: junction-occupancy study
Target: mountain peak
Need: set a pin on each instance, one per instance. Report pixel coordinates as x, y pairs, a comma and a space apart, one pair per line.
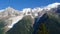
53, 5
9, 8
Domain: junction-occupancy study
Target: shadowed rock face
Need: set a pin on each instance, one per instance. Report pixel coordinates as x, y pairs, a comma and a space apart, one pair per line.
47, 24
37, 23
58, 9
24, 26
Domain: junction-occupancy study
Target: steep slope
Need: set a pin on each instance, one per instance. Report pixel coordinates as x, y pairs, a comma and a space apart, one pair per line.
3, 28
37, 23
9, 17
24, 26
47, 24
14, 20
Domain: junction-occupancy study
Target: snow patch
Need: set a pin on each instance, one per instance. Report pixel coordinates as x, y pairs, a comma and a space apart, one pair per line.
54, 5
15, 20
1, 10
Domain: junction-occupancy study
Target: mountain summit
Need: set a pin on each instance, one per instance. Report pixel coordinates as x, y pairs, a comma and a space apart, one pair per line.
9, 12
27, 11
9, 8
53, 5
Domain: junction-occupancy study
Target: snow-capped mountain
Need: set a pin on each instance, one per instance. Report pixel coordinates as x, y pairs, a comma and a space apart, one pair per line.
27, 11
44, 23
12, 16
54, 5
9, 12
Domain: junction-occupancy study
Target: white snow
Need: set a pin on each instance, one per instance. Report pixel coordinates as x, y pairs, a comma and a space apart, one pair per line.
54, 5
1, 10
15, 20
29, 11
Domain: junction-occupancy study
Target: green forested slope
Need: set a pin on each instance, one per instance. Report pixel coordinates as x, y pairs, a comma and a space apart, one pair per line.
24, 26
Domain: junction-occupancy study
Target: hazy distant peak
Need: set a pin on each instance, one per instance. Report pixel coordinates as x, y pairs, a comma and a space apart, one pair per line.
9, 8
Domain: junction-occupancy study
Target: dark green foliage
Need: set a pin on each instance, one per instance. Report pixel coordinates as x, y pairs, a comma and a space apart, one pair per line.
24, 26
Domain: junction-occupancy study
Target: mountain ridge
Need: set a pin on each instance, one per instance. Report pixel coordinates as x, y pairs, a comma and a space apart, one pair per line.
12, 16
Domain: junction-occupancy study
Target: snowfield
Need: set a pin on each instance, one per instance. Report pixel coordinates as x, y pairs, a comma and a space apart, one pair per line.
15, 20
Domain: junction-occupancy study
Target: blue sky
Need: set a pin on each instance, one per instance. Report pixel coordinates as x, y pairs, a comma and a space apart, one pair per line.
21, 4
